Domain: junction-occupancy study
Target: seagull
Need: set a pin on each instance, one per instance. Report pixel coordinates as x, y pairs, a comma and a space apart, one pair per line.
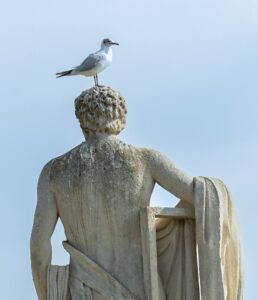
94, 63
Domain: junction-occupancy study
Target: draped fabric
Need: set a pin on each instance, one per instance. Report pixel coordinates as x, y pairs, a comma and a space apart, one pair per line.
95, 277
58, 277
197, 259
201, 258
177, 263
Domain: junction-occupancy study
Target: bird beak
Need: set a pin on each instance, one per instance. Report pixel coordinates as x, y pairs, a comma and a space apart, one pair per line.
113, 43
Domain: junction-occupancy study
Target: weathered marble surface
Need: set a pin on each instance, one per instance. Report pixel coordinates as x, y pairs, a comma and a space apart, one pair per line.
97, 190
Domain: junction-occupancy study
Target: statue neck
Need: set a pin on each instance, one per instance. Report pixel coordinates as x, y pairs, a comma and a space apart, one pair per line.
95, 137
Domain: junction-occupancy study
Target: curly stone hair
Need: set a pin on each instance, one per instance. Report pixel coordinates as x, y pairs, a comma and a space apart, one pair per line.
101, 109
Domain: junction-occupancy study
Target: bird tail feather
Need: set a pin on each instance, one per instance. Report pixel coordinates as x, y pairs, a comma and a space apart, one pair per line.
64, 73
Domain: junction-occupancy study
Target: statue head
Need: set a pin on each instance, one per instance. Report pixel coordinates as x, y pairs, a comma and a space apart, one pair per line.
100, 110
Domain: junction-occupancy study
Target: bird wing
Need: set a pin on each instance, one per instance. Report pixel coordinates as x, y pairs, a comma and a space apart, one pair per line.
90, 62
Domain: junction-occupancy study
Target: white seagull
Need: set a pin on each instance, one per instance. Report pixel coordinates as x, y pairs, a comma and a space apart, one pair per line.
94, 63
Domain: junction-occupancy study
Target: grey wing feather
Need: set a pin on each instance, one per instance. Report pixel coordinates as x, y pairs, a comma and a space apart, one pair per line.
89, 63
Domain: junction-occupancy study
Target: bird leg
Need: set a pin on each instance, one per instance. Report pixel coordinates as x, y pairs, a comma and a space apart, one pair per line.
97, 79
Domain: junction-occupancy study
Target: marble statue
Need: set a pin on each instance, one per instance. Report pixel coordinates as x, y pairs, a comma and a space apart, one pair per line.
119, 247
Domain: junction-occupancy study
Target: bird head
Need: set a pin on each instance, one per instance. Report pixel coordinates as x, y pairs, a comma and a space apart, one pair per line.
108, 43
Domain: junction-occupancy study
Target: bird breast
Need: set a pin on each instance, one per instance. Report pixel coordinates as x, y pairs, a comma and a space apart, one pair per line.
109, 55
104, 63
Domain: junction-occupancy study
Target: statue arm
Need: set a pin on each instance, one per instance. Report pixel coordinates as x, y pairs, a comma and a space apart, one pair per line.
44, 224
168, 176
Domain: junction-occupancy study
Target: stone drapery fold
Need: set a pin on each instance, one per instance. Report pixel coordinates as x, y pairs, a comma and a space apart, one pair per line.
201, 259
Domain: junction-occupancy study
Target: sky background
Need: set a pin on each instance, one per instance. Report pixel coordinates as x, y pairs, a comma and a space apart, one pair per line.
189, 73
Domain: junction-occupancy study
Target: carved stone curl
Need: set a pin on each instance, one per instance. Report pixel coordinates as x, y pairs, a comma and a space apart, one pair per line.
101, 109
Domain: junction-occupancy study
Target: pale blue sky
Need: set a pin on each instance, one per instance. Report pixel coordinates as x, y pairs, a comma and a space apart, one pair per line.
189, 73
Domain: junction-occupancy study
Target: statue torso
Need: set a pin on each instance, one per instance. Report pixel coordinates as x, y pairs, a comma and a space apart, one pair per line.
100, 188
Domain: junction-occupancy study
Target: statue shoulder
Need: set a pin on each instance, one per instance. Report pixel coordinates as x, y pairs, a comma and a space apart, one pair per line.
155, 160
58, 164
151, 155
